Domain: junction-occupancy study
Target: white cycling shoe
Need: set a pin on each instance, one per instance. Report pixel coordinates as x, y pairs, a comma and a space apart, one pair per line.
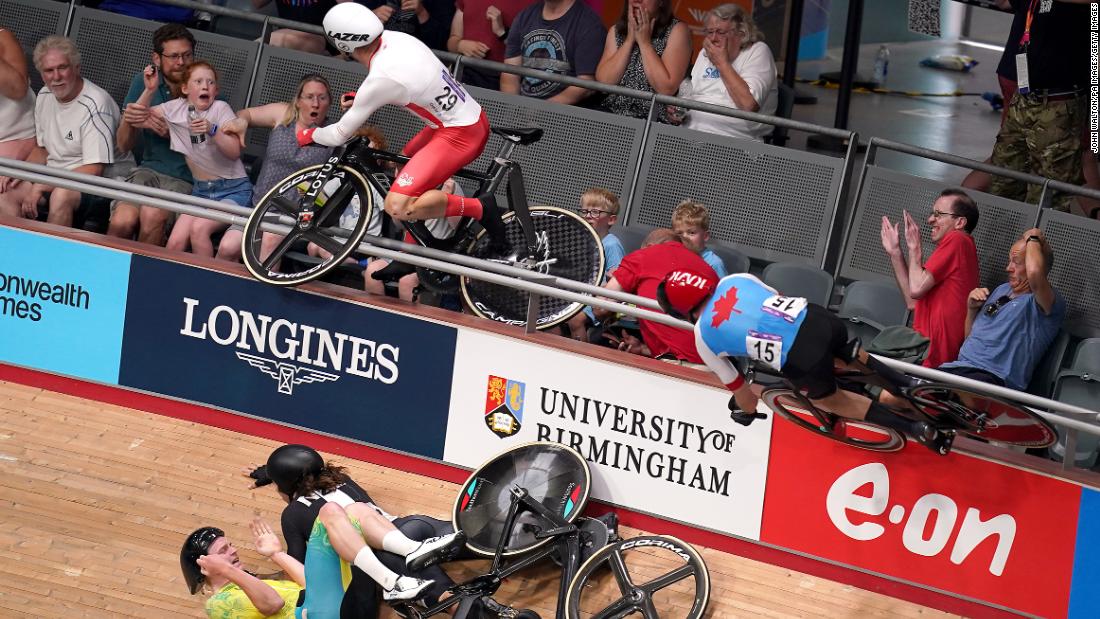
406, 589
435, 550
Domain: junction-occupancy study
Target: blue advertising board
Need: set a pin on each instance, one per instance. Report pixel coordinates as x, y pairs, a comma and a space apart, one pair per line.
289, 356
1084, 595
61, 305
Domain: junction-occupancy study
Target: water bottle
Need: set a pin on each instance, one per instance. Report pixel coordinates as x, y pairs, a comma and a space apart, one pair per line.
882, 64
193, 114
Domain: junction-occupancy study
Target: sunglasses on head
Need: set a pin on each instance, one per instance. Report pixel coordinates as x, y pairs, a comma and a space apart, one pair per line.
994, 307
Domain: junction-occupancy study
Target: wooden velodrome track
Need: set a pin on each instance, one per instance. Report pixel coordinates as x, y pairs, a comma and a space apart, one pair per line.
95, 500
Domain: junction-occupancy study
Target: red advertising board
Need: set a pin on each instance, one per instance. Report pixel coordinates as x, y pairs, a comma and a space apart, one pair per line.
957, 523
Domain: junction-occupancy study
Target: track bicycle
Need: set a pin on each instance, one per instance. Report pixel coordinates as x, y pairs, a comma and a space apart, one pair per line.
523, 506
331, 205
950, 409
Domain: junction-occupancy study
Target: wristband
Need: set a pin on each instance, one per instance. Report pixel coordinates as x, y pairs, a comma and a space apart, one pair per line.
213, 130
1036, 238
504, 35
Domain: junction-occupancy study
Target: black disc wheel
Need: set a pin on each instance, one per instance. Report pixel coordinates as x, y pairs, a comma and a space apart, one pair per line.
652, 576
566, 247
342, 212
800, 411
553, 475
984, 416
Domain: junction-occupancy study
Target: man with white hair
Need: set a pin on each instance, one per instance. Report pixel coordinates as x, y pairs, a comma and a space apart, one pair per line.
75, 123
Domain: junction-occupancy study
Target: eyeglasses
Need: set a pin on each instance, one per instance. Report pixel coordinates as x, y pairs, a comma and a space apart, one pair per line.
592, 212
992, 309
712, 31
314, 98
938, 214
178, 57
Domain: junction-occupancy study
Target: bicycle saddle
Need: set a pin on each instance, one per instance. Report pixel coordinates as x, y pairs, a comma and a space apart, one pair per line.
524, 135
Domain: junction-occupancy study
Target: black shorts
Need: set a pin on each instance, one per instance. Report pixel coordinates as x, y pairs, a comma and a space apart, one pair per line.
975, 374
821, 338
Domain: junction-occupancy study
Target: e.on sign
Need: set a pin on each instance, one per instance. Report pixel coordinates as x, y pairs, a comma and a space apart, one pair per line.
960, 524
933, 513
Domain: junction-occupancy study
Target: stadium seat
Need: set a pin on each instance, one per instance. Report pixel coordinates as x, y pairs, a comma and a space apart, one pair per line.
799, 280
869, 306
735, 261
1080, 385
1046, 372
784, 109
631, 236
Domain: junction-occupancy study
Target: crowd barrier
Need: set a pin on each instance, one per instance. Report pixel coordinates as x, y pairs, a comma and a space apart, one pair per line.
781, 204
962, 526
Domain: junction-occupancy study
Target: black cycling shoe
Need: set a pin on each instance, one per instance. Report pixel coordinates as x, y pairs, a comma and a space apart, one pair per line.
494, 227
930, 436
492, 609
393, 271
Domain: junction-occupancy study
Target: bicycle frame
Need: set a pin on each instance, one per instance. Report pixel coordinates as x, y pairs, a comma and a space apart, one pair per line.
363, 158
566, 536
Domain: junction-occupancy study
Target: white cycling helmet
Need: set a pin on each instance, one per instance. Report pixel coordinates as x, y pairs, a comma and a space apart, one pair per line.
350, 25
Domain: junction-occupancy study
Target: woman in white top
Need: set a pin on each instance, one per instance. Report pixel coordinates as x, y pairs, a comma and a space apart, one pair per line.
16, 105
734, 69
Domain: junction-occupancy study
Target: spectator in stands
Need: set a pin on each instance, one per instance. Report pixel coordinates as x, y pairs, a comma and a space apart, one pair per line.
75, 123
283, 156
648, 49
16, 106
1009, 330
213, 157
479, 30
559, 36
146, 135
428, 20
210, 563
735, 69
691, 222
937, 291
639, 273
308, 12
600, 208
1041, 133
1006, 78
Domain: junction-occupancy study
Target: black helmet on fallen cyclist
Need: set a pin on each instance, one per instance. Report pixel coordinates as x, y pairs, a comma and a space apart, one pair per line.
289, 465
197, 545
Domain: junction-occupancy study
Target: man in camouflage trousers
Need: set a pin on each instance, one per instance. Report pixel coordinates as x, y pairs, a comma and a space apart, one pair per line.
1042, 131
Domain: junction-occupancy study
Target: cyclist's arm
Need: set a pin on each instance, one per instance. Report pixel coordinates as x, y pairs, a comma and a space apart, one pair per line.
373, 94
724, 369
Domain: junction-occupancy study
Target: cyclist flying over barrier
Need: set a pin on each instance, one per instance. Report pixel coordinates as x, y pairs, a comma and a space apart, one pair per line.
741, 316
403, 71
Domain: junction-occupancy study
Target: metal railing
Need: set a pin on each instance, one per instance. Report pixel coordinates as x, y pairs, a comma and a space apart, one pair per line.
533, 283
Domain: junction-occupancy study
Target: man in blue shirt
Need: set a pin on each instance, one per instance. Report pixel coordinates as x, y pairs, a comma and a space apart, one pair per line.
147, 136
1009, 330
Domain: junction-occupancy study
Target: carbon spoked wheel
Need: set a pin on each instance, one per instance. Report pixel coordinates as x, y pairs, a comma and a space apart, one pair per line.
567, 247
343, 206
619, 581
800, 411
984, 416
554, 476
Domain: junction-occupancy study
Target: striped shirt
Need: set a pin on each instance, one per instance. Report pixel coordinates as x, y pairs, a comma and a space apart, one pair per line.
80, 131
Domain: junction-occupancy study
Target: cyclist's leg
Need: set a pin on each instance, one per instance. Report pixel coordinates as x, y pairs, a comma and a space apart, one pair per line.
435, 157
347, 541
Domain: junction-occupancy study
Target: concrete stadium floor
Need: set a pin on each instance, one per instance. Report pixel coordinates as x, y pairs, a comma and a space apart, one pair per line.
964, 126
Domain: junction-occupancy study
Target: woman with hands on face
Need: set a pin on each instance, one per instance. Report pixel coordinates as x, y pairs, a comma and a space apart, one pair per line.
735, 69
648, 49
